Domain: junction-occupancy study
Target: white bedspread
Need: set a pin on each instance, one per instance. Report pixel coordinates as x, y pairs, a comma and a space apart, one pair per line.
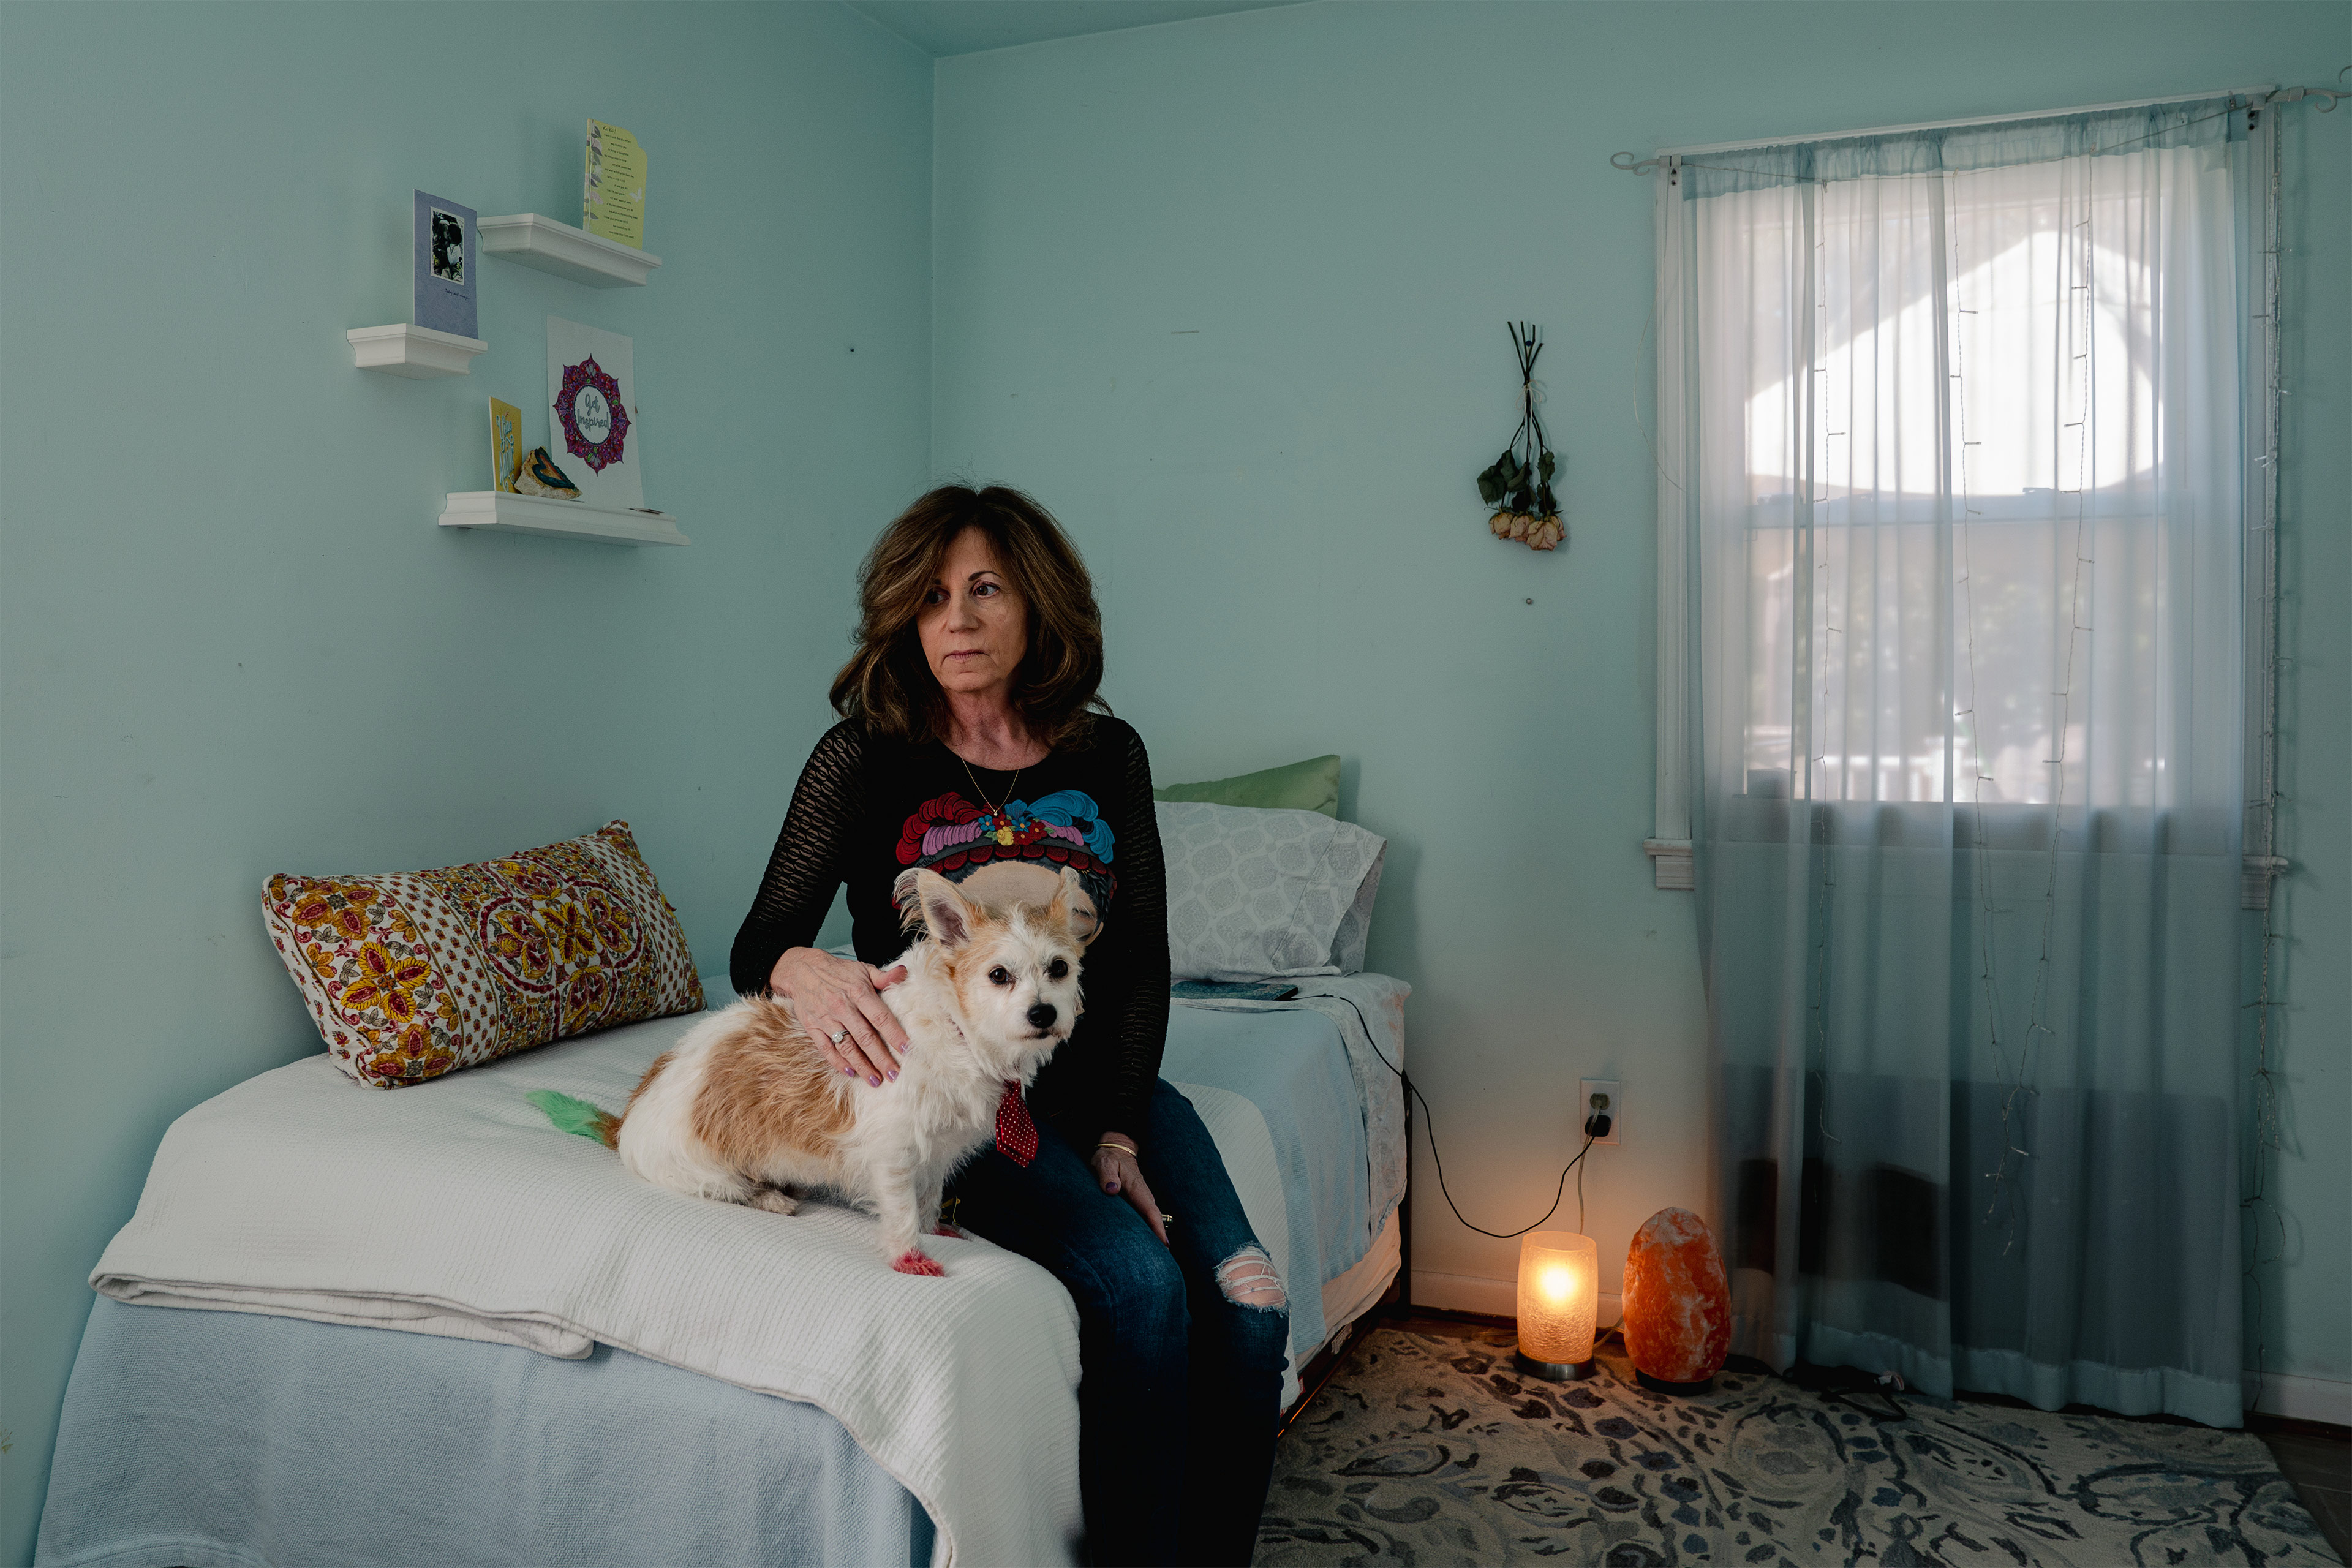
453, 1208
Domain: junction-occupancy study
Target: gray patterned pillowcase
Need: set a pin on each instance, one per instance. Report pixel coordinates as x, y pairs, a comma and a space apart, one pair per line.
1254, 894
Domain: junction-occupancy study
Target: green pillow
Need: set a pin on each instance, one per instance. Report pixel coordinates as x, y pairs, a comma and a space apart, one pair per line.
1311, 785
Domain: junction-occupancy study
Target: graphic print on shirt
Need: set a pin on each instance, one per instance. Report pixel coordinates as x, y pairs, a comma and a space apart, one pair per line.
1015, 854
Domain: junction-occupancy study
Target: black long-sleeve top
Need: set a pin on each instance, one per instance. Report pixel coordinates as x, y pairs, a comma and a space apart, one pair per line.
868, 809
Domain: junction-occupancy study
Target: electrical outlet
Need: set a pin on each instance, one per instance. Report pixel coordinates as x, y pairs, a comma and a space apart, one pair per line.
1602, 1096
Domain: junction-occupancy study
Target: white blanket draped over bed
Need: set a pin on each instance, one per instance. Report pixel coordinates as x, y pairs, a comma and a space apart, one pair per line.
453, 1208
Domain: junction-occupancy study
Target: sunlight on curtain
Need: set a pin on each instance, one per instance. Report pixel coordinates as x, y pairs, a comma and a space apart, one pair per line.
1965, 479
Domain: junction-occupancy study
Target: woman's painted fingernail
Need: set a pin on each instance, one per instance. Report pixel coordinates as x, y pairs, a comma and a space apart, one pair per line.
894, 1075
874, 1082
849, 1073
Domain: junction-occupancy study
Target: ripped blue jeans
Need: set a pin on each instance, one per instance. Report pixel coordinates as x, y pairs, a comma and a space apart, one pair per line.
1181, 1347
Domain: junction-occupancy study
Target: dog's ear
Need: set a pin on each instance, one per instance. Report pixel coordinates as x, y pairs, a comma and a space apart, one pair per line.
1058, 909
1071, 908
947, 913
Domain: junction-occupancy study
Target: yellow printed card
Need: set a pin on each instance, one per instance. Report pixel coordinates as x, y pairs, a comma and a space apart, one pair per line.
506, 446
613, 199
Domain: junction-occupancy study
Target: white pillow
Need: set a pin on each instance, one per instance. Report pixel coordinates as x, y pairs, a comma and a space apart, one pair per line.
1253, 894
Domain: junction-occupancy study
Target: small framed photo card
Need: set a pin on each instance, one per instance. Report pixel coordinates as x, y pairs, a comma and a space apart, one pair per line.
448, 246
445, 272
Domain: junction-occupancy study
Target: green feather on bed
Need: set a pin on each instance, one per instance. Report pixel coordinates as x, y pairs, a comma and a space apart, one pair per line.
571, 1114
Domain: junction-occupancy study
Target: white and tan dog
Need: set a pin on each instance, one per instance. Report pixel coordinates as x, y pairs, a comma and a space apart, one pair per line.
746, 1108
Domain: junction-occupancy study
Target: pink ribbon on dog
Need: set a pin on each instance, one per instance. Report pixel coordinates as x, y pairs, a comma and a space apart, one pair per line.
1017, 1135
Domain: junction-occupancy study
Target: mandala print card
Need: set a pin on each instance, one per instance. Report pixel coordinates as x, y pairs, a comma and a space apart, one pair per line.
592, 418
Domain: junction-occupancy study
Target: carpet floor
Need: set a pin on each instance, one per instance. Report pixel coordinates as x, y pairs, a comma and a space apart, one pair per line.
1427, 1451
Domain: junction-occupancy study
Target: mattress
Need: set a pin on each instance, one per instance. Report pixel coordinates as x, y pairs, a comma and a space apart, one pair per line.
200, 1437
1358, 1290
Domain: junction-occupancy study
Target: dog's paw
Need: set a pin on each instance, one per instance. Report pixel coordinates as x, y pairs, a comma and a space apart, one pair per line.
913, 1262
775, 1200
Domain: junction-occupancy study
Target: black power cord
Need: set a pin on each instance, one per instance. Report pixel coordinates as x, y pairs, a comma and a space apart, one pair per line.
1429, 1130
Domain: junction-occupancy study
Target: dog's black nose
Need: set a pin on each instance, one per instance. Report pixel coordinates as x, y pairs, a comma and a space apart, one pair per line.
1042, 1015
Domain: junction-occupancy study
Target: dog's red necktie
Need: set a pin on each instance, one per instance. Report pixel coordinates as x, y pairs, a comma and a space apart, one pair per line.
1017, 1135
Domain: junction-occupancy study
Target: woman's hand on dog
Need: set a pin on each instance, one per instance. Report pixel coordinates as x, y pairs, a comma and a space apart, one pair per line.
1121, 1176
830, 994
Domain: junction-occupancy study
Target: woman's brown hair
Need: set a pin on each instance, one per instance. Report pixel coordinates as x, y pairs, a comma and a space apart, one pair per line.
889, 685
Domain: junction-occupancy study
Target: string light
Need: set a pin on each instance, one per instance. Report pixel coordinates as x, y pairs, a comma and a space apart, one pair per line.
2255, 1202
2018, 1087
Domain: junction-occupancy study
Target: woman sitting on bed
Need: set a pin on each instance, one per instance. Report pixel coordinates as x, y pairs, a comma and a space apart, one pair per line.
973, 744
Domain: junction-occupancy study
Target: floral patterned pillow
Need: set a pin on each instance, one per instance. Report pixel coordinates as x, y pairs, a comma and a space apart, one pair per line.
418, 973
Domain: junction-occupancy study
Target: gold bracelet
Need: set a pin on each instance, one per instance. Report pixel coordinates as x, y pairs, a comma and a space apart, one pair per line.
1122, 1148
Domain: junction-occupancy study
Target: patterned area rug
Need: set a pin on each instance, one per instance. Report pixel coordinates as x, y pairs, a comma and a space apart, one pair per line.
1426, 1451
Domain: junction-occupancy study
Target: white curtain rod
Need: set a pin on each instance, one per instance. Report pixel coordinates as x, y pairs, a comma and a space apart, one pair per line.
1646, 164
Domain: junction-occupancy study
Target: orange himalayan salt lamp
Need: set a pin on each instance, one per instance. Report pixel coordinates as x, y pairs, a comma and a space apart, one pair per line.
1677, 1303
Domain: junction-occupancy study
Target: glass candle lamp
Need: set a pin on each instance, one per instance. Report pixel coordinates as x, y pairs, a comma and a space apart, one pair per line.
1559, 1295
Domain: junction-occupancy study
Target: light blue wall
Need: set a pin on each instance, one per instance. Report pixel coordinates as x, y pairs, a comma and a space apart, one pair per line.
233, 640
1229, 296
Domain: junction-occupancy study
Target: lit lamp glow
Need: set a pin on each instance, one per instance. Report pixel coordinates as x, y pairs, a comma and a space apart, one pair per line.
1559, 1294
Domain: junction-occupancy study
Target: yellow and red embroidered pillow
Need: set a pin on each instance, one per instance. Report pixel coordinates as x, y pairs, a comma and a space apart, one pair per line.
418, 973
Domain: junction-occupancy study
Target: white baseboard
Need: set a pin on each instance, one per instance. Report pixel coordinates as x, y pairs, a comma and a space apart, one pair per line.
2304, 1398
1464, 1293
2297, 1398
1473, 1294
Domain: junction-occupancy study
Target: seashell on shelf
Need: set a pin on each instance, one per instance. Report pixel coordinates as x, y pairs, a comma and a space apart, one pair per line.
539, 475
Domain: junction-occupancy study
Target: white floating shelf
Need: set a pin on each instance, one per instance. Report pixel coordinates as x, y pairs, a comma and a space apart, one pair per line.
418, 353
566, 251
558, 518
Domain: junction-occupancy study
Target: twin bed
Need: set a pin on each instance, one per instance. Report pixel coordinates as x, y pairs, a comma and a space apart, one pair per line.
593, 1371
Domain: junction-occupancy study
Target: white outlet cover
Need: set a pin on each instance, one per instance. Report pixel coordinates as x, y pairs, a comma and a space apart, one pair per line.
1586, 1088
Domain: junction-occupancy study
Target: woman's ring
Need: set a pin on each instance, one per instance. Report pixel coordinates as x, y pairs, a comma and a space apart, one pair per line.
837, 1037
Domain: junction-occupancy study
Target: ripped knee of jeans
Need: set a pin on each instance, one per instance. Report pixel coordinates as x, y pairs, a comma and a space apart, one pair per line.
1248, 1279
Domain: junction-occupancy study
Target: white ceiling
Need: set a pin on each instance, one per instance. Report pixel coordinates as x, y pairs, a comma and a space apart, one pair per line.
967, 27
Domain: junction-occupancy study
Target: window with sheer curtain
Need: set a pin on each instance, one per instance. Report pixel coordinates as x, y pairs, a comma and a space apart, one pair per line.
2007, 397
1953, 483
